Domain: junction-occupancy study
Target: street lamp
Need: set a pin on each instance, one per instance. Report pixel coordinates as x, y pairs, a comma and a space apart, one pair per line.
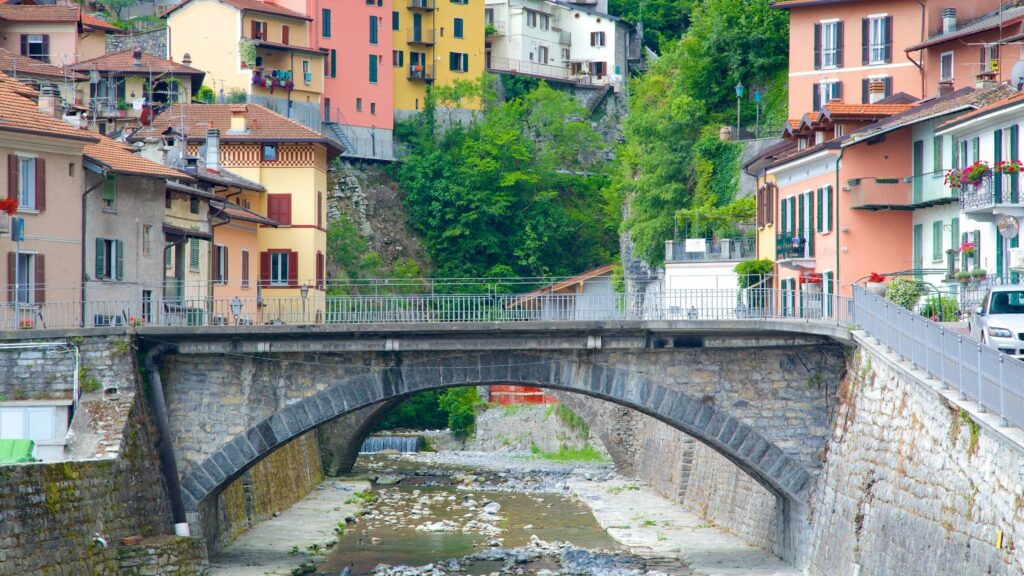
304, 291
739, 94
758, 94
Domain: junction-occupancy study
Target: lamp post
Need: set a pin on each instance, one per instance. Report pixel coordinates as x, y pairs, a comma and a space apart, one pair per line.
739, 94
758, 94
304, 291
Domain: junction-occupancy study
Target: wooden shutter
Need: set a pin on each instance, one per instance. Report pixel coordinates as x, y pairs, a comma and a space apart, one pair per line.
119, 253
226, 257
40, 184
11, 259
100, 259
293, 268
865, 41
265, 268
254, 30
319, 269
820, 204
24, 44
816, 96
245, 268
12, 176
284, 34
216, 265
839, 45
40, 278
864, 96
817, 46
319, 210
888, 39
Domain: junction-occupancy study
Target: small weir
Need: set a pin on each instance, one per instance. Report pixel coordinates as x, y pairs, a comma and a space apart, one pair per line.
400, 444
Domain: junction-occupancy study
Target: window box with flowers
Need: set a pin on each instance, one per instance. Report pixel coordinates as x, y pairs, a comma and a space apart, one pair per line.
975, 173
876, 284
1008, 167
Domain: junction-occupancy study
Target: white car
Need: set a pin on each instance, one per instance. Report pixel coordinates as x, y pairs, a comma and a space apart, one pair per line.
999, 321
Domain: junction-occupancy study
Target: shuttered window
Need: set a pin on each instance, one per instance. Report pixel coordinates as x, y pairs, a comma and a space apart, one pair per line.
193, 255
373, 68
279, 268
109, 259
279, 208
937, 241
320, 270
245, 268
325, 19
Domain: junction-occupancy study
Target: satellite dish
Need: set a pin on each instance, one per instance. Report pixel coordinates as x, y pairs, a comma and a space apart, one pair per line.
1017, 75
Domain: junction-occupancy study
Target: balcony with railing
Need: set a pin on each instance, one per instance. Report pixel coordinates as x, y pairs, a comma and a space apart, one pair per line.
495, 28
903, 193
422, 37
704, 250
426, 5
529, 68
421, 72
994, 193
793, 251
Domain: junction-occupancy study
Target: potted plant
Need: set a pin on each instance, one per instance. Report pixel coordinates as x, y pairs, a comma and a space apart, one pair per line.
954, 179
122, 105
962, 276
876, 284
978, 273
9, 205
27, 325
1008, 167
967, 249
974, 173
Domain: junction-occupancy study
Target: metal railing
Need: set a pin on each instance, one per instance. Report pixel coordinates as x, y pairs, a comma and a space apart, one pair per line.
991, 191
421, 72
496, 28
421, 36
789, 246
992, 379
904, 193
703, 250
421, 4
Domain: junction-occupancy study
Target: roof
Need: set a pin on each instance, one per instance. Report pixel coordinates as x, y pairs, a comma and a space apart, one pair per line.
226, 178
11, 62
262, 124
768, 154
39, 13
280, 46
121, 159
94, 22
250, 6
840, 108
18, 113
585, 9
124, 61
989, 21
786, 4
192, 190
555, 287
993, 106
236, 212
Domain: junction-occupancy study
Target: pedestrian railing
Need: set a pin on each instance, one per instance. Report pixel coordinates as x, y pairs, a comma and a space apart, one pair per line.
982, 374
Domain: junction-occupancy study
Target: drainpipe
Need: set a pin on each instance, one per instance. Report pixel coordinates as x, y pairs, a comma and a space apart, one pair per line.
837, 230
85, 224
920, 65
170, 466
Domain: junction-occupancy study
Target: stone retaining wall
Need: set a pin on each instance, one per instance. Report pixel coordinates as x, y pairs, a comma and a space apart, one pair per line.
45, 372
163, 556
153, 42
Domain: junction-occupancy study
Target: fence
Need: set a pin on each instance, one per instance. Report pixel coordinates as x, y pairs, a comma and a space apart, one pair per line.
979, 373
703, 250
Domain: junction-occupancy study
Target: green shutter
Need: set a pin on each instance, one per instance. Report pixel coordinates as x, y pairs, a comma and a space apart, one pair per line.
373, 68
810, 225
101, 262
818, 207
110, 189
193, 261
119, 250
373, 29
937, 240
334, 63
453, 61
954, 234
999, 254
800, 217
1014, 155
167, 256
936, 153
955, 149
831, 206
918, 256
997, 180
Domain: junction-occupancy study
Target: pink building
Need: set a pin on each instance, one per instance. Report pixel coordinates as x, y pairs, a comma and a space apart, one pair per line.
837, 47
57, 34
358, 97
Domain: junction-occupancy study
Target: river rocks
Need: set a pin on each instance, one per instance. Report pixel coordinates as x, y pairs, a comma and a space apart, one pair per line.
442, 526
492, 507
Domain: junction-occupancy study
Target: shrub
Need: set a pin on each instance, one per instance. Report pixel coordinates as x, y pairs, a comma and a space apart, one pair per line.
942, 308
751, 272
904, 292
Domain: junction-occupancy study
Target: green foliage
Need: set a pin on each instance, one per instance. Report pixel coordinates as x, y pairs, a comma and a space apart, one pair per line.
87, 382
586, 454
516, 192
664, 20
460, 404
247, 52
710, 219
751, 272
517, 86
904, 292
618, 278
943, 308
114, 7
453, 408
350, 252
573, 420
236, 96
206, 95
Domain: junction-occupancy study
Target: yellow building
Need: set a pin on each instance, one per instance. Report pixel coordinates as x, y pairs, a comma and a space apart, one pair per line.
253, 48
289, 162
435, 41
766, 197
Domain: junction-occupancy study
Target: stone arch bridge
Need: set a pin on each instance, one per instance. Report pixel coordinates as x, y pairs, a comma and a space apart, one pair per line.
758, 392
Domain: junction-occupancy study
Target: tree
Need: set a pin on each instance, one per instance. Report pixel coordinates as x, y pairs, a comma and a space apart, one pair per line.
114, 7
664, 20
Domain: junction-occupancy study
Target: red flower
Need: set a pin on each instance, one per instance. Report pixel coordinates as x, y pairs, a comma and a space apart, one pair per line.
9, 205
876, 277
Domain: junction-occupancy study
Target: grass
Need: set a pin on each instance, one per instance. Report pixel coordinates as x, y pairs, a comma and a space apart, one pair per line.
623, 488
363, 497
586, 454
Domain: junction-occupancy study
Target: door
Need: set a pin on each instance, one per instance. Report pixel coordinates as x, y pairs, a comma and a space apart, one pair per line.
918, 163
417, 27
918, 261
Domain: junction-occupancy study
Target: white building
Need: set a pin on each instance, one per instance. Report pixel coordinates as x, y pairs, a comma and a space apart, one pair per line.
569, 41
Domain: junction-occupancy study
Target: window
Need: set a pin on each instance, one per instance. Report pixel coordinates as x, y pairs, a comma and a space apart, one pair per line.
876, 41
598, 69
307, 74
373, 108
334, 63
597, 38
269, 153
397, 58
319, 209
989, 57
373, 68
936, 154
71, 169
193, 205
220, 265
327, 109
831, 44
359, 104
279, 269
193, 255
109, 259
325, 23
284, 34
395, 20
946, 67
36, 46
147, 305
458, 61
320, 261
147, 239
545, 22
489, 16
245, 268
565, 54
258, 30
460, 1
937, 241
373, 29
531, 19
457, 28
279, 208
168, 199
542, 54
29, 273
24, 176
825, 92
824, 209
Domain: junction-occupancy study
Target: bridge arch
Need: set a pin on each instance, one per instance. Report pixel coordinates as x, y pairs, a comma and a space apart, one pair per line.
780, 469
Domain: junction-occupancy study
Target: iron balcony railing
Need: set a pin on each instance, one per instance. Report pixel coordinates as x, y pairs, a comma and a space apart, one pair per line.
978, 373
502, 64
421, 4
710, 250
992, 191
425, 37
904, 193
496, 28
421, 72
789, 246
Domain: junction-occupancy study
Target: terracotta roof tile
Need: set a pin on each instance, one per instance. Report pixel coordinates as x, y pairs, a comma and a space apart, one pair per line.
262, 124
11, 63
18, 113
843, 109
235, 212
992, 107
122, 159
39, 13
94, 22
252, 6
123, 61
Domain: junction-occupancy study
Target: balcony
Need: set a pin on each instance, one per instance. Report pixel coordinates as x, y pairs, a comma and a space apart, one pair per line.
525, 67
422, 37
702, 250
421, 72
794, 252
993, 195
905, 193
495, 28
424, 5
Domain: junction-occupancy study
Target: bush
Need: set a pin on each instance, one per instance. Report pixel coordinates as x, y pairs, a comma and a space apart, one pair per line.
904, 292
206, 95
943, 308
460, 404
753, 271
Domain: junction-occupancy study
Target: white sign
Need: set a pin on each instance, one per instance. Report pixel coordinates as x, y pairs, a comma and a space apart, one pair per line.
696, 245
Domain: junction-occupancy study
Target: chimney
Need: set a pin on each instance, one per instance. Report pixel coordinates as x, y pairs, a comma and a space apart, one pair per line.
186, 59
948, 20
213, 149
945, 87
49, 102
238, 119
137, 57
876, 91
